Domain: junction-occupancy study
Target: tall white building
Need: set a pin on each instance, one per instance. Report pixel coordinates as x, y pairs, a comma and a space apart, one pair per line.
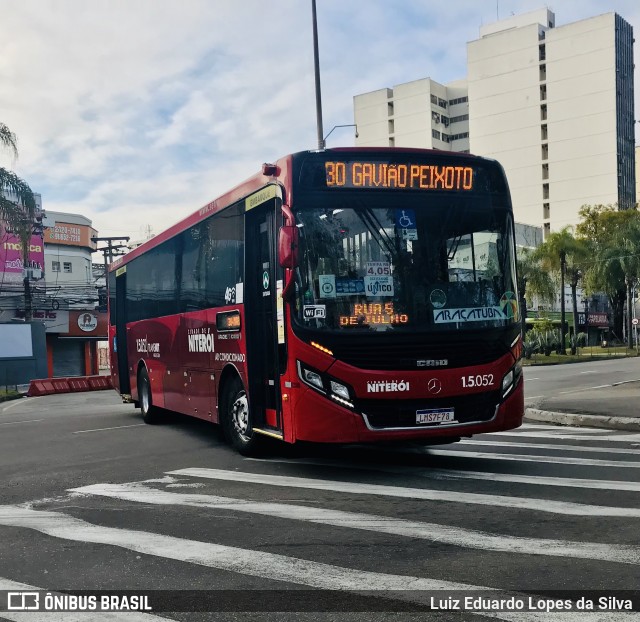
423, 113
554, 105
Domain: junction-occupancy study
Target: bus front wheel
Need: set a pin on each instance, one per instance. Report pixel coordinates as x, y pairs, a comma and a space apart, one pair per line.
236, 421
150, 413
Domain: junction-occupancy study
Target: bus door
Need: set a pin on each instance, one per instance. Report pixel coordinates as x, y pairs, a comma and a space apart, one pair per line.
121, 332
260, 297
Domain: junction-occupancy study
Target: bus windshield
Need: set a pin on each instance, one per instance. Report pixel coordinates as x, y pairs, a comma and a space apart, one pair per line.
404, 264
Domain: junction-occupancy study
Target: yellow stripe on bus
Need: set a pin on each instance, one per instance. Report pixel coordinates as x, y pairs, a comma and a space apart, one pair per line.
262, 196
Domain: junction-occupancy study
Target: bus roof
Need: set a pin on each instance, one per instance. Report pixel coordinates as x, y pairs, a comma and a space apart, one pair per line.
258, 181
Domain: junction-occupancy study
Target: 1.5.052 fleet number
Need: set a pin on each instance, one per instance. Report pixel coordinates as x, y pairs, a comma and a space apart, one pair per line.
484, 380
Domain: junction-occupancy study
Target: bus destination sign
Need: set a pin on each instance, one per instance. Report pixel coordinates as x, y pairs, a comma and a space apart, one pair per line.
361, 174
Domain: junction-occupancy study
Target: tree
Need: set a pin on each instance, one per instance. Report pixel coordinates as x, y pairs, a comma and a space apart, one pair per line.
533, 279
603, 225
17, 208
563, 254
620, 262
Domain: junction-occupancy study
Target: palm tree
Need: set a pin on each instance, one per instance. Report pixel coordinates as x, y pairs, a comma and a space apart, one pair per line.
619, 261
533, 279
17, 208
558, 252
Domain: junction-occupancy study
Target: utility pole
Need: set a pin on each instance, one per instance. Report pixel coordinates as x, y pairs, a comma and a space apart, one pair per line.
316, 65
108, 252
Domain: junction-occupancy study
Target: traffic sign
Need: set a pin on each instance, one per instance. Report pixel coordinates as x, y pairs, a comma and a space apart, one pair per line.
635, 321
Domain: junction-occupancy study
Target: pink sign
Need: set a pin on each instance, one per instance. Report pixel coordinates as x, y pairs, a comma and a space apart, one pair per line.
11, 264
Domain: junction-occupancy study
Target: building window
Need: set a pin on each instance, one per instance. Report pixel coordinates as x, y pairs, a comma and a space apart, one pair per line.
462, 117
543, 112
545, 171
543, 73
55, 266
545, 191
544, 132
546, 211
543, 92
459, 136
391, 126
545, 152
392, 142
66, 266
542, 53
458, 100
434, 100
442, 103
435, 134
445, 138
547, 229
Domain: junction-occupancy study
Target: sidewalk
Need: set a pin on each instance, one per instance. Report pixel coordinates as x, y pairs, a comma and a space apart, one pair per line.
614, 407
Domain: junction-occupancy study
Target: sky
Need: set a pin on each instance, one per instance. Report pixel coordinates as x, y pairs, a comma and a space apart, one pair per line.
135, 113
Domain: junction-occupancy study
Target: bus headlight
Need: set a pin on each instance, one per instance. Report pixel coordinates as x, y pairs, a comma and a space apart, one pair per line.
507, 383
310, 377
511, 378
338, 392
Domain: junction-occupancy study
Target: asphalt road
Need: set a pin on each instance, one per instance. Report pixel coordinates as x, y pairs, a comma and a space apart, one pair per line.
94, 499
544, 381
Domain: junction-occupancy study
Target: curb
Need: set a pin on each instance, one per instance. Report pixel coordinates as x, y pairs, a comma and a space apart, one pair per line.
586, 421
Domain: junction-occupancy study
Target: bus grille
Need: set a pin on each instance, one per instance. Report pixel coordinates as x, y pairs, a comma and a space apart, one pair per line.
402, 413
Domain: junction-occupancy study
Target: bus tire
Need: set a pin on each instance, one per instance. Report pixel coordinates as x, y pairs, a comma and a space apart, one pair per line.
150, 413
236, 420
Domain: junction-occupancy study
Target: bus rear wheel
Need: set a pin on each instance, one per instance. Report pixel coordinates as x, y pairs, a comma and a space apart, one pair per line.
150, 413
236, 420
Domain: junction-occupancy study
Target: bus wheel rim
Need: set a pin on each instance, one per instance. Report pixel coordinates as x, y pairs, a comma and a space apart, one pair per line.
145, 397
240, 415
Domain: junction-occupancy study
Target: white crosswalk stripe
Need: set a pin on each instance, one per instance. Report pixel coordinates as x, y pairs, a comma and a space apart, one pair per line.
538, 505
457, 536
453, 474
361, 572
485, 455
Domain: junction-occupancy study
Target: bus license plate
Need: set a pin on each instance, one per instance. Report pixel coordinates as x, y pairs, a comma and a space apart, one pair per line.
435, 415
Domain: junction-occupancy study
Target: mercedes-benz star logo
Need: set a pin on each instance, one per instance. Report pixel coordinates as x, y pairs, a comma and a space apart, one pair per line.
434, 386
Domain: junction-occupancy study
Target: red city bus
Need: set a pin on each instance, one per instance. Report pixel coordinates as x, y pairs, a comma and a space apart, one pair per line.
340, 296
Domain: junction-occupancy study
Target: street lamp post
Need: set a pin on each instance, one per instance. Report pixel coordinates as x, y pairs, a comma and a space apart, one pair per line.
316, 66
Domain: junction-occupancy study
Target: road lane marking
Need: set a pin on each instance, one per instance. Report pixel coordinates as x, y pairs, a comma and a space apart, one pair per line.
12, 405
533, 397
589, 434
118, 427
272, 566
456, 536
484, 455
451, 474
16, 422
593, 371
357, 488
69, 616
557, 447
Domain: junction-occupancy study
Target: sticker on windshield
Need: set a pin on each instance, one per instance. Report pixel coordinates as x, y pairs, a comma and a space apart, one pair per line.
509, 304
327, 285
406, 223
311, 312
377, 268
471, 314
349, 287
378, 285
438, 298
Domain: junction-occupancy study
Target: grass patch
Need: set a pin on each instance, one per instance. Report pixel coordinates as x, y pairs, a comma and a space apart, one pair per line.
584, 355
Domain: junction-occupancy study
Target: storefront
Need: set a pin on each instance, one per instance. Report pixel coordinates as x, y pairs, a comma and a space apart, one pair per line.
72, 339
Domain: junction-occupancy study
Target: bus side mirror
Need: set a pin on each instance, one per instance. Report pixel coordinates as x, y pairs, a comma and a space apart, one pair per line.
288, 246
